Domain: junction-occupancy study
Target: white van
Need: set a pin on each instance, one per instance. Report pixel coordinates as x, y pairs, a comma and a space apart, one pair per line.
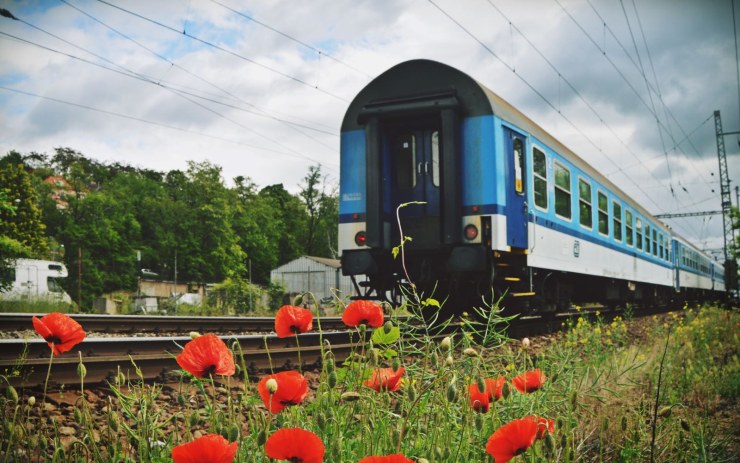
37, 280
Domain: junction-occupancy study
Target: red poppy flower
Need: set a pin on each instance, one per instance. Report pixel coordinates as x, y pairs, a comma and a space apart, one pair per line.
529, 381
395, 458
363, 312
511, 439
479, 400
295, 445
291, 320
292, 389
495, 388
59, 331
385, 379
544, 426
211, 448
207, 355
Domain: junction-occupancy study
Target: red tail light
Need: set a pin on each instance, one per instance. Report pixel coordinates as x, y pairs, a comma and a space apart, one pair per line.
471, 232
360, 238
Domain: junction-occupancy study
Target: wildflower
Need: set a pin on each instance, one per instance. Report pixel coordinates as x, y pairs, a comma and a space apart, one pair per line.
271, 385
59, 331
544, 426
291, 320
478, 399
295, 445
446, 343
525, 343
495, 388
529, 381
385, 379
395, 458
470, 352
291, 389
211, 448
207, 355
363, 312
512, 439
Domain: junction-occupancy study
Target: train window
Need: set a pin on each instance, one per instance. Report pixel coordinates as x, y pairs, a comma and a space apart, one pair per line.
603, 214
539, 163
655, 242
435, 158
617, 208
648, 243
562, 191
628, 219
404, 160
518, 165
638, 225
584, 203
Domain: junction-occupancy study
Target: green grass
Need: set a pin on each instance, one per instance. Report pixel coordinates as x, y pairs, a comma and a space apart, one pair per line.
601, 391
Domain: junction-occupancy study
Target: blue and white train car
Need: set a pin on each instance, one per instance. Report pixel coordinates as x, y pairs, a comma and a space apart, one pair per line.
491, 200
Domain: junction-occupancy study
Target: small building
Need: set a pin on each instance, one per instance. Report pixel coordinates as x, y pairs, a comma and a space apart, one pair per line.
317, 275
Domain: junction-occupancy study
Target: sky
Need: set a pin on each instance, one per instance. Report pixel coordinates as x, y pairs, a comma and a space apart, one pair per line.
260, 88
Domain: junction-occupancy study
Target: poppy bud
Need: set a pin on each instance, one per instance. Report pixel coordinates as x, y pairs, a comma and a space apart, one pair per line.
478, 421
451, 392
506, 391
438, 454
549, 443
411, 393
321, 421
362, 329
665, 412
563, 441
525, 343
233, 433
685, 425
261, 438
446, 343
374, 356
333, 379
481, 385
12, 394
574, 399
181, 400
470, 352
624, 423
387, 327
120, 378
449, 361
396, 364
271, 385
81, 370
349, 396
559, 422
330, 365
43, 444
193, 419
78, 415
194, 334
422, 460
31, 401
435, 359
113, 422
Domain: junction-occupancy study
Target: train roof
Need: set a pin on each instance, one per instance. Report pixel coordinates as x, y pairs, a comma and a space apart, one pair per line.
430, 84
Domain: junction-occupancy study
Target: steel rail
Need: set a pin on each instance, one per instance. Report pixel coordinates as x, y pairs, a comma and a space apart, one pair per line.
131, 324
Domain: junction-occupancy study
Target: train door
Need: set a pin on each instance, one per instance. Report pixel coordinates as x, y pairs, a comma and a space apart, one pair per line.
414, 158
517, 209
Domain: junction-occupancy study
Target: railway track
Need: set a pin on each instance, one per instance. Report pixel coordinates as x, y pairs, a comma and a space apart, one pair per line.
25, 362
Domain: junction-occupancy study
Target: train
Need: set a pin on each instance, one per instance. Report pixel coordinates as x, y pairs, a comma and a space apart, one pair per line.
483, 202
33, 280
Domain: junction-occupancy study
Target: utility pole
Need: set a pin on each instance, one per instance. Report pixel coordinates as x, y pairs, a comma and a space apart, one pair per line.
724, 179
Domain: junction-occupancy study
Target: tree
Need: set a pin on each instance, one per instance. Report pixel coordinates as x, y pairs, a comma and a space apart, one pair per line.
291, 218
323, 214
21, 220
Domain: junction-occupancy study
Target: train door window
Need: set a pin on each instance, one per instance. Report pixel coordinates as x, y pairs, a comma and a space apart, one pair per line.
435, 158
404, 160
655, 242
603, 214
617, 210
539, 168
584, 203
518, 165
562, 191
638, 226
648, 243
628, 219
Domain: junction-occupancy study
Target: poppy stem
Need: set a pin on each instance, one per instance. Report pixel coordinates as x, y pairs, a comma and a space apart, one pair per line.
48, 373
657, 399
298, 345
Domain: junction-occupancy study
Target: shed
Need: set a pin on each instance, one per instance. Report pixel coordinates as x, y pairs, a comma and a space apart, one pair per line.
317, 275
